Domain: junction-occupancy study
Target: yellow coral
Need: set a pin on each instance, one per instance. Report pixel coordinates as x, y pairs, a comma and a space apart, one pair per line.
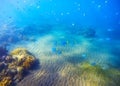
24, 59
28, 62
19, 51
6, 81
26, 65
20, 69
21, 59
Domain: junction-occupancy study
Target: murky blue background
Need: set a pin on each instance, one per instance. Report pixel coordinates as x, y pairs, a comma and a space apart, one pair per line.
38, 17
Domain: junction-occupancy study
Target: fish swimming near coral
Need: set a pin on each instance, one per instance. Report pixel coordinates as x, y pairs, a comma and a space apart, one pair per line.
63, 43
56, 51
84, 56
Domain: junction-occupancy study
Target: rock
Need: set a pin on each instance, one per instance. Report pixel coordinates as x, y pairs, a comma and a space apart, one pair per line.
3, 66
14, 66
11, 72
2, 58
19, 51
6, 81
9, 59
3, 51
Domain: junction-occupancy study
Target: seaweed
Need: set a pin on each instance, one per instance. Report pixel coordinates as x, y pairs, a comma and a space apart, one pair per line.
14, 67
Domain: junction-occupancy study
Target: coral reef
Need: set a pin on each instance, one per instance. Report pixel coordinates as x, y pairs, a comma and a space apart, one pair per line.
19, 51
28, 62
13, 66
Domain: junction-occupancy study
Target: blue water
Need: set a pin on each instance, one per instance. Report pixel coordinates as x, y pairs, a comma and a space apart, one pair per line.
65, 24
102, 15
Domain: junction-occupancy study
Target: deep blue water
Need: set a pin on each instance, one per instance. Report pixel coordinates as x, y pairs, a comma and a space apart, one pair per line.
103, 14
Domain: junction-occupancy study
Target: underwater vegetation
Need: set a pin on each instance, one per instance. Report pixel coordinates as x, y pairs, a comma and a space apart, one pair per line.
94, 75
14, 65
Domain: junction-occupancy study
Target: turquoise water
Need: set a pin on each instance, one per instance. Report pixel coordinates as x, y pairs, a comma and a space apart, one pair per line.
68, 38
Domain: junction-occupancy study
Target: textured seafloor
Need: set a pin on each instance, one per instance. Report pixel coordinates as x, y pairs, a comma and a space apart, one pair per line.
76, 65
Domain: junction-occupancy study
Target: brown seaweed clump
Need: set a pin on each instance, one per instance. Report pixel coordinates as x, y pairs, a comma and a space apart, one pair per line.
13, 67
6, 81
23, 57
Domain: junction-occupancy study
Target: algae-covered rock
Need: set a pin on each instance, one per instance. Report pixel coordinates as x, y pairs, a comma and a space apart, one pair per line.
18, 51
28, 62
14, 65
3, 51
6, 81
23, 57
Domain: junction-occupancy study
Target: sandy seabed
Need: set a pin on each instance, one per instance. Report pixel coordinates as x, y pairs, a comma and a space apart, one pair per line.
70, 68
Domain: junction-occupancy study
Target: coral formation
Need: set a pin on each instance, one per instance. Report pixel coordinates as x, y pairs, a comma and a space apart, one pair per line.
12, 68
19, 51
28, 62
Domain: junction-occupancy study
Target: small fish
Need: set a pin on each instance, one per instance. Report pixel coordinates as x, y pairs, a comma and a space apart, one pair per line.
59, 52
63, 43
54, 50
93, 63
84, 56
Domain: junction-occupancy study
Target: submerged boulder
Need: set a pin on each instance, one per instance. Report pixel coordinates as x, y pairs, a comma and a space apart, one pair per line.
23, 57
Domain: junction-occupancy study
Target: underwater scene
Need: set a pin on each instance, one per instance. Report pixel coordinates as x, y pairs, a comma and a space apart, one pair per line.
59, 43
